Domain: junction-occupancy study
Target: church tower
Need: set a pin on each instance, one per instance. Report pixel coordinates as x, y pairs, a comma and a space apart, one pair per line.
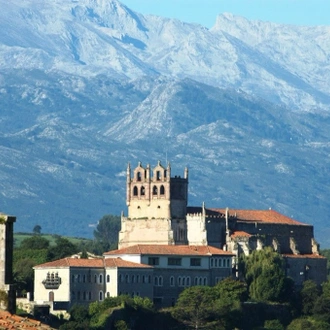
157, 205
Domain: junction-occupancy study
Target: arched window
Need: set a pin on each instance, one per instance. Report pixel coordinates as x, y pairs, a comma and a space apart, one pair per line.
95, 278
211, 262
183, 281
108, 294
162, 190
196, 281
101, 278
200, 281
78, 278
158, 175
204, 281
126, 278
160, 281
137, 278
228, 263
154, 190
135, 191
143, 279
108, 278
138, 175
143, 191
101, 295
84, 278
215, 262
179, 281
188, 281
172, 281
133, 278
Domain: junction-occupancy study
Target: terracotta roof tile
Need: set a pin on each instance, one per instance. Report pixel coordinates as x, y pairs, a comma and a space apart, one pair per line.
73, 262
265, 216
120, 263
191, 250
12, 321
308, 256
240, 234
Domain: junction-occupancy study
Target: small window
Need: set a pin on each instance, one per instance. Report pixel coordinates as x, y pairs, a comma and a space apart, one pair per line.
143, 191
172, 281
162, 190
174, 261
133, 278
158, 176
84, 278
101, 295
101, 278
155, 190
154, 261
195, 262
135, 191
137, 278
108, 278
95, 278
89, 295
108, 294
138, 174
126, 278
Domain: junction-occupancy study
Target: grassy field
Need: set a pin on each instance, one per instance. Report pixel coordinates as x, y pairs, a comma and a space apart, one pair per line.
19, 237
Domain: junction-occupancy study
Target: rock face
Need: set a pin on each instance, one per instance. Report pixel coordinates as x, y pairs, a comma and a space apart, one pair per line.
87, 86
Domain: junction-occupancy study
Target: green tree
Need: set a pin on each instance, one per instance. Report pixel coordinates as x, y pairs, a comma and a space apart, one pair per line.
106, 232
35, 242
195, 307
265, 276
62, 249
308, 295
230, 295
37, 229
273, 325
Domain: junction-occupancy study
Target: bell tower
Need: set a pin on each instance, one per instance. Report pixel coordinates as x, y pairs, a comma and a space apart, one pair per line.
157, 205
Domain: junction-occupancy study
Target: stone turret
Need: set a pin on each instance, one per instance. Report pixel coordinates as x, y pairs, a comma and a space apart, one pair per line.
154, 200
6, 261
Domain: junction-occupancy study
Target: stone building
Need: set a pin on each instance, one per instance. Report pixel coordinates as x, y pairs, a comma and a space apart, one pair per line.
6, 262
165, 246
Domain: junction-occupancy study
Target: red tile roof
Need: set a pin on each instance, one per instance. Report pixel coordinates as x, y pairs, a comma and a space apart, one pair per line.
190, 250
308, 256
12, 321
73, 262
120, 263
240, 234
94, 263
265, 216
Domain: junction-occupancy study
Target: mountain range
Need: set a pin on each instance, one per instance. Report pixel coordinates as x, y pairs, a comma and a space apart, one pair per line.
88, 86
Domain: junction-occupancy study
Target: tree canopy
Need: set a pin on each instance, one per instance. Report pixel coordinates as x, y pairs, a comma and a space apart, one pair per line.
107, 231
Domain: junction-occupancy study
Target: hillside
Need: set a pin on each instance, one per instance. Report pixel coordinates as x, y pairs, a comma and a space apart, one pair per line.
87, 87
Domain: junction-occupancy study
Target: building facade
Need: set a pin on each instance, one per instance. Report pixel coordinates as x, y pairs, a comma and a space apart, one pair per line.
165, 246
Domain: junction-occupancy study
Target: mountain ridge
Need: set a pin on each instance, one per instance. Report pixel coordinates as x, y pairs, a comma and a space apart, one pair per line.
88, 86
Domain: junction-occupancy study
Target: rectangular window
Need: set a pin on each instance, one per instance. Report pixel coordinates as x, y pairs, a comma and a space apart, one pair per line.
195, 262
174, 261
154, 261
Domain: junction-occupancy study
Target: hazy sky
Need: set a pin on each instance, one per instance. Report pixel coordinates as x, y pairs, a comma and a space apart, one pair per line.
299, 12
